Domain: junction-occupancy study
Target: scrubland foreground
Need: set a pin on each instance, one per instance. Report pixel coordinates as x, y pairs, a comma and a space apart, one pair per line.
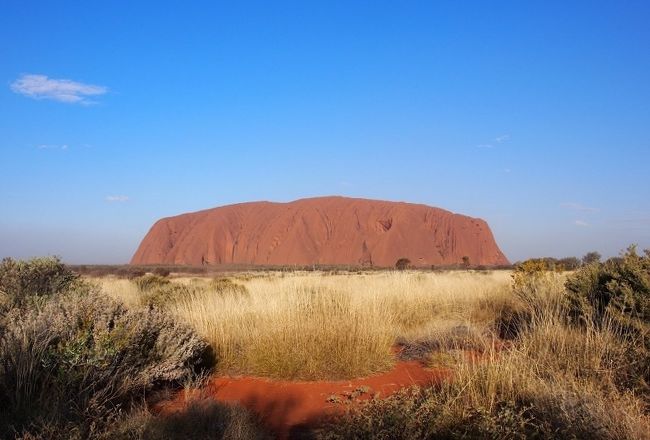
561, 355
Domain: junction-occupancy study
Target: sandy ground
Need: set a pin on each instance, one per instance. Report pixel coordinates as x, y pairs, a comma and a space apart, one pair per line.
289, 408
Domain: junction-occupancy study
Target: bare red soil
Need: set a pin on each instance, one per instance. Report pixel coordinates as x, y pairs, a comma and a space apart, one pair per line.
288, 408
325, 231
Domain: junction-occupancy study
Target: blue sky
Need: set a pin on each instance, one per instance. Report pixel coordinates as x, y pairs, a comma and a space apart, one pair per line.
532, 115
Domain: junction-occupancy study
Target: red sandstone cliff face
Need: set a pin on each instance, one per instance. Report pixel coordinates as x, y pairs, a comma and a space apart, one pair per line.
323, 230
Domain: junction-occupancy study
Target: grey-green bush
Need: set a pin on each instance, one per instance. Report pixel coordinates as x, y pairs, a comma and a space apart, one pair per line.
74, 364
22, 281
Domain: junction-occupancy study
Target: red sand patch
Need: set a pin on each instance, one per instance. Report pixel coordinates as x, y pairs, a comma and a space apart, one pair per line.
287, 407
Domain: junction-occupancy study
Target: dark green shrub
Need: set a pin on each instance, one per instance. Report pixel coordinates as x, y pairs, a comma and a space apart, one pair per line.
83, 358
616, 294
24, 281
618, 289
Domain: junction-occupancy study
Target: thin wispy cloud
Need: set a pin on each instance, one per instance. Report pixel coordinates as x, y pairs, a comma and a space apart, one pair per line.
497, 140
62, 90
578, 207
581, 223
119, 199
52, 147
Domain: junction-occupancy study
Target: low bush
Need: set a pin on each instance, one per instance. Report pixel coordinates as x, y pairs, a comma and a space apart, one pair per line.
24, 281
616, 295
617, 289
73, 365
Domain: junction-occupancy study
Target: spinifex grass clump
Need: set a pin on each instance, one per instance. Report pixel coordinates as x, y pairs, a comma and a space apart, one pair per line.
151, 282
227, 286
156, 290
317, 326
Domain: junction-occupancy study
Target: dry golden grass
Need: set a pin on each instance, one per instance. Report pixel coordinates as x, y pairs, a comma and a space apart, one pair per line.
555, 380
316, 325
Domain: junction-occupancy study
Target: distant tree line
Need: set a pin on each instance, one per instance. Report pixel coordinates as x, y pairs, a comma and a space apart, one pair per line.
551, 263
566, 263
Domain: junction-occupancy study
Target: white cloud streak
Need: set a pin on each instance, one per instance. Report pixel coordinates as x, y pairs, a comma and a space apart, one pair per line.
62, 90
52, 147
497, 140
581, 223
118, 199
